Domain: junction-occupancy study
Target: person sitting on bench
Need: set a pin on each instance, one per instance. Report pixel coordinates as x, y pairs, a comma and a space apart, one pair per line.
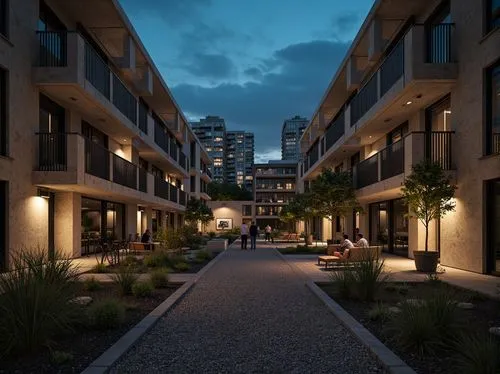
147, 240
343, 252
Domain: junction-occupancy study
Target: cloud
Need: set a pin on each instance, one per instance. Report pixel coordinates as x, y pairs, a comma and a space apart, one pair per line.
291, 82
211, 66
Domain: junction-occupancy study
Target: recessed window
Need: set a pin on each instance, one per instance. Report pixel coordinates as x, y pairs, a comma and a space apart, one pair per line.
493, 109
492, 14
4, 18
3, 112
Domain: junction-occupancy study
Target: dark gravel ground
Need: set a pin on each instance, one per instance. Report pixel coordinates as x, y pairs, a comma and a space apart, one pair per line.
249, 314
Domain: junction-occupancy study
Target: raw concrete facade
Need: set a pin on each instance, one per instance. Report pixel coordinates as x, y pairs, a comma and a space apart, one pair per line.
419, 81
237, 211
88, 119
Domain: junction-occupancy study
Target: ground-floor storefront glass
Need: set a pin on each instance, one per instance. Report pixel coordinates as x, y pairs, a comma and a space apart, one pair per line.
389, 226
493, 227
101, 221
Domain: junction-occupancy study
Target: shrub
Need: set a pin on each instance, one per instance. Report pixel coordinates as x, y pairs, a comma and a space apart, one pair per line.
203, 256
106, 314
379, 313
211, 234
35, 301
99, 269
433, 278
92, 284
344, 282
478, 354
125, 279
426, 328
159, 278
142, 289
130, 260
182, 266
154, 260
61, 357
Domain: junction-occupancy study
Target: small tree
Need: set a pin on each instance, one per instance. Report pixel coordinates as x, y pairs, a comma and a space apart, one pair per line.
428, 193
334, 195
301, 208
197, 211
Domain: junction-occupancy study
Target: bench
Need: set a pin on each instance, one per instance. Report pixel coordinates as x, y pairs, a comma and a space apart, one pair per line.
356, 254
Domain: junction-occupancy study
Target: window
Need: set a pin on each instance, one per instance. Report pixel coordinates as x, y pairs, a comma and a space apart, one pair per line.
492, 14
192, 183
3, 112
247, 210
493, 110
3, 225
4, 18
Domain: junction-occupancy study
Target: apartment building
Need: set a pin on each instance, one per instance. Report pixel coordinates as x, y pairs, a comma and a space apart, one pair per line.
240, 158
200, 174
274, 186
291, 132
92, 144
211, 131
421, 80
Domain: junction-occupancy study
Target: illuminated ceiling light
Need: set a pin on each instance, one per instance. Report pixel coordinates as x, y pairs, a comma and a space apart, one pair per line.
43, 193
370, 137
409, 102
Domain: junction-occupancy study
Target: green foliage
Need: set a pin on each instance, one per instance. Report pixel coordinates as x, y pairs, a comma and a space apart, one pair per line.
61, 357
156, 259
142, 289
478, 354
379, 312
427, 327
361, 280
182, 266
35, 304
334, 195
106, 314
211, 234
203, 256
100, 268
303, 207
130, 260
428, 193
159, 278
91, 284
198, 211
433, 278
228, 192
125, 279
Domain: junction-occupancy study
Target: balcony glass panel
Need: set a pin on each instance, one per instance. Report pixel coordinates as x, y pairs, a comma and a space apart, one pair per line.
124, 172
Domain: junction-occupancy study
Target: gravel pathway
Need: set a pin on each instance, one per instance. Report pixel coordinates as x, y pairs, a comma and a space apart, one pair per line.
250, 313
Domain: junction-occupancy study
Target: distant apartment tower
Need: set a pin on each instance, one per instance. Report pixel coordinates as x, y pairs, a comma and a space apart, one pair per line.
240, 158
211, 131
290, 137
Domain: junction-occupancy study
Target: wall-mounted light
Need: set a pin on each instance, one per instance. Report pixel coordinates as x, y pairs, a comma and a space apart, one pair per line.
43, 193
409, 102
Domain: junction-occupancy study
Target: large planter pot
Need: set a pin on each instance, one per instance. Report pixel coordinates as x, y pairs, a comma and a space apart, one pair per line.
309, 239
426, 262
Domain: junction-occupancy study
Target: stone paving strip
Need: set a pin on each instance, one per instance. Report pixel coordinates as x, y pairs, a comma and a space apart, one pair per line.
250, 313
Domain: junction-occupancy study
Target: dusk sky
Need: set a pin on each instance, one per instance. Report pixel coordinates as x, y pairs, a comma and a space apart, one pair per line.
252, 62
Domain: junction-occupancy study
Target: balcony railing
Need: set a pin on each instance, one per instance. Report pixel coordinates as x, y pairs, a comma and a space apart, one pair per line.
96, 159
182, 160
367, 172
392, 160
439, 148
392, 69
313, 155
439, 43
495, 143
97, 71
162, 188
52, 48
143, 117
143, 180
364, 100
124, 100
124, 172
335, 131
52, 152
173, 193
161, 136
173, 149
182, 198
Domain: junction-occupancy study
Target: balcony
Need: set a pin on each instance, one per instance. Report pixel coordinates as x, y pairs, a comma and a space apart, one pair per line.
71, 159
421, 64
182, 198
162, 188
397, 159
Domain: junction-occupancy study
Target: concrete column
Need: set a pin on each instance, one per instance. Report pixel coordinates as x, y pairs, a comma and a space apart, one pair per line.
353, 76
128, 61
149, 218
67, 223
131, 214
376, 41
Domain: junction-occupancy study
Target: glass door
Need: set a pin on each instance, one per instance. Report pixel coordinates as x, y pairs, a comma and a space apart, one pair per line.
3, 225
493, 228
399, 228
379, 225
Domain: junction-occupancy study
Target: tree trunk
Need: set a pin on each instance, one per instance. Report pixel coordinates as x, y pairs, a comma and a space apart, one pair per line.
426, 236
333, 229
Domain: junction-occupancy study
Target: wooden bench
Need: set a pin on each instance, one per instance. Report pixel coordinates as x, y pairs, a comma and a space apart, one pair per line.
356, 254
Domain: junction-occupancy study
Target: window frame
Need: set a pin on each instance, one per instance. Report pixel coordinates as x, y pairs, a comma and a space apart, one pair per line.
488, 110
489, 16
4, 112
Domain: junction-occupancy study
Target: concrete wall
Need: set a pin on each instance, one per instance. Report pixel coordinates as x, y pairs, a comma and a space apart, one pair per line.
228, 209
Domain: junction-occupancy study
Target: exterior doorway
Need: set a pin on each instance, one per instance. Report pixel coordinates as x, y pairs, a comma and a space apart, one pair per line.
493, 227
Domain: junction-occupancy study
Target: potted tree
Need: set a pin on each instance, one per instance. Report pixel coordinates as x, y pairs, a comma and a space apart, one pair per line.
335, 195
428, 194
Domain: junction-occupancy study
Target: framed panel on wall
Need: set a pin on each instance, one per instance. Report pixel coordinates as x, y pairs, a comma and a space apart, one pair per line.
224, 224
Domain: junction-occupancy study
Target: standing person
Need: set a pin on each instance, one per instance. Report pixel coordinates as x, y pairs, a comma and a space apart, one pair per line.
253, 236
244, 235
268, 230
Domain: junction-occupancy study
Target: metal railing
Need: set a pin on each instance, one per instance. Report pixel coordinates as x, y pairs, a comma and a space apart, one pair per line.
313, 155
124, 100
367, 172
52, 48
97, 71
143, 180
173, 193
182, 160
439, 43
52, 152
495, 143
365, 99
392, 160
182, 198
96, 159
439, 148
335, 131
124, 172
393, 68
161, 188
161, 136
143, 118
173, 148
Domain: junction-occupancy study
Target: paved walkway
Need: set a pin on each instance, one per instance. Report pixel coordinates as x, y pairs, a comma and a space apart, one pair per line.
250, 313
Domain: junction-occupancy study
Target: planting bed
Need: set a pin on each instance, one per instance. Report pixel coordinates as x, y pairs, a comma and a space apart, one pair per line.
303, 250
86, 344
484, 314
